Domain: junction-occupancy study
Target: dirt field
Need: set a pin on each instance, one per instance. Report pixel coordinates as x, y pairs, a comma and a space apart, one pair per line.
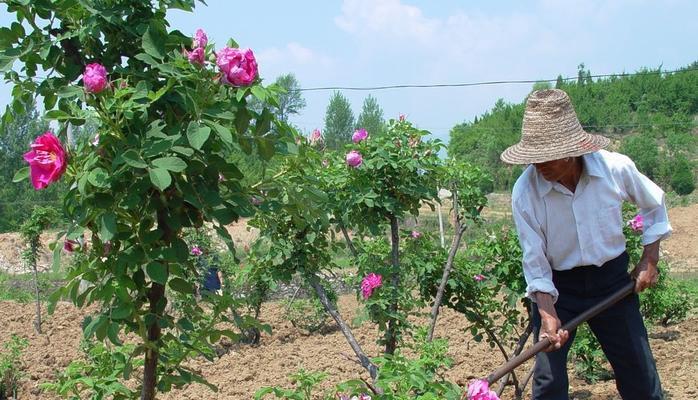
245, 369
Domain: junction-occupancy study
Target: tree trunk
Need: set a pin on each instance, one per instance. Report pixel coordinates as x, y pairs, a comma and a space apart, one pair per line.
350, 244
444, 280
447, 268
155, 294
391, 334
363, 359
37, 322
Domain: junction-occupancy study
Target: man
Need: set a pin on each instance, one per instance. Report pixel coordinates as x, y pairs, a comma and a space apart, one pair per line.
567, 209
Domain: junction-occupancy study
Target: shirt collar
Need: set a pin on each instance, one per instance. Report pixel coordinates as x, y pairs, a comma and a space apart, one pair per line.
591, 168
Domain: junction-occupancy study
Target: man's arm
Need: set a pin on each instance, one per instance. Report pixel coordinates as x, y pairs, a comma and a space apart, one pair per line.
646, 273
550, 323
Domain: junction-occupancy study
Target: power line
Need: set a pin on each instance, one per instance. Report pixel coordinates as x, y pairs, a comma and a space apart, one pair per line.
39, 79
594, 127
485, 83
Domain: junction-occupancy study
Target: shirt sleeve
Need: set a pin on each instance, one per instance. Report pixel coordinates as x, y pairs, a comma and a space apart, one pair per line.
537, 269
649, 197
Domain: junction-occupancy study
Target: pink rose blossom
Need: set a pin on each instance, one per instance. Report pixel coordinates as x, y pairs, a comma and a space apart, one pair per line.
359, 135
636, 224
401, 117
354, 159
370, 283
69, 245
200, 39
416, 234
196, 251
316, 137
238, 66
47, 160
478, 277
95, 77
196, 56
480, 390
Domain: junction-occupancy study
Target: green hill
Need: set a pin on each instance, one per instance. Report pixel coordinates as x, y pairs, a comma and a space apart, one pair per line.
649, 115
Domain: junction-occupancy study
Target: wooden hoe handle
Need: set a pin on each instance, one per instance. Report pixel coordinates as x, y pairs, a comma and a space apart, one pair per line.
542, 344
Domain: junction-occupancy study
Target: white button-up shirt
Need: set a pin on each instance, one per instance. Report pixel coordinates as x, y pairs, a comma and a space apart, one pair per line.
560, 230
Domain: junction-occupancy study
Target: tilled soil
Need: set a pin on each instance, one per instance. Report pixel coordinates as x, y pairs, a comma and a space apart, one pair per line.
245, 369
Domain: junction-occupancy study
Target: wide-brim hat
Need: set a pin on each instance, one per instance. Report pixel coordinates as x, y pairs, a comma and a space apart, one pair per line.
551, 131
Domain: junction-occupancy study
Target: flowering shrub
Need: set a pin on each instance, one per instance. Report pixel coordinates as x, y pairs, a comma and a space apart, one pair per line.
354, 159
359, 135
167, 131
238, 66
95, 78
371, 282
480, 390
47, 160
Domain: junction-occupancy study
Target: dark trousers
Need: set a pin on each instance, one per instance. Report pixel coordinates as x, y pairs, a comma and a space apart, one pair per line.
619, 329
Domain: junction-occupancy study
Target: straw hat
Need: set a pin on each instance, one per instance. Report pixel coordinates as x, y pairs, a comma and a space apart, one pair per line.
551, 131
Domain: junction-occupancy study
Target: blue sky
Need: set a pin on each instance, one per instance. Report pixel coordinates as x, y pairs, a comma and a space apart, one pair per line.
384, 42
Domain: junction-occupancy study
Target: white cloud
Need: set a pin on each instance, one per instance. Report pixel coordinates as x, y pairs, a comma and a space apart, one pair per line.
293, 54
389, 18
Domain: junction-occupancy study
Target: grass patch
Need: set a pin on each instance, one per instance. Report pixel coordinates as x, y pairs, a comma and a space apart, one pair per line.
20, 287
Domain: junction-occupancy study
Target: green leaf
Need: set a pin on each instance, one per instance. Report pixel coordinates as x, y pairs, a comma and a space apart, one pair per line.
185, 151
59, 115
197, 135
98, 177
160, 177
174, 164
108, 226
182, 286
154, 40
259, 92
133, 159
21, 175
223, 132
157, 272
69, 92
146, 59
122, 311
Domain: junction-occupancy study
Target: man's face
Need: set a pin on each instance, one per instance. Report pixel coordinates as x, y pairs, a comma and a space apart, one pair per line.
554, 170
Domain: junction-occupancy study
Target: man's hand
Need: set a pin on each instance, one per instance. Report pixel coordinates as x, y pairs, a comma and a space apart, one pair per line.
646, 273
550, 323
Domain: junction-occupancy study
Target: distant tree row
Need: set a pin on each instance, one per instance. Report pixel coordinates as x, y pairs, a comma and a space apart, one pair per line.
340, 124
649, 115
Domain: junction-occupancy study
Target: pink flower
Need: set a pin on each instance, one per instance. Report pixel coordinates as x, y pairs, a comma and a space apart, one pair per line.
316, 137
359, 135
95, 77
478, 277
95, 142
364, 396
480, 390
416, 234
354, 159
196, 56
69, 245
401, 117
636, 224
196, 251
238, 66
47, 160
370, 283
200, 39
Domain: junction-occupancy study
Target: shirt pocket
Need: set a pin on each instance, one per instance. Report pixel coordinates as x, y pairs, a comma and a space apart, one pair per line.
610, 224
